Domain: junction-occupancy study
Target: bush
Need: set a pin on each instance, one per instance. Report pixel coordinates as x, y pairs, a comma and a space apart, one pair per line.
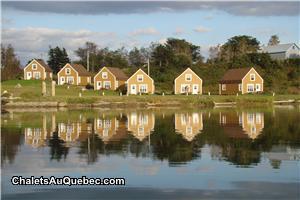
89, 87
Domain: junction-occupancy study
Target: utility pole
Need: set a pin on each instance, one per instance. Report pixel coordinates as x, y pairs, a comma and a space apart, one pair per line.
88, 60
148, 62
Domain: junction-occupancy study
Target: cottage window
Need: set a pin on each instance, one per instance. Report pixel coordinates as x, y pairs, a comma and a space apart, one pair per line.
140, 78
258, 118
34, 66
107, 85
240, 87
70, 80
224, 87
252, 77
104, 75
250, 118
68, 71
143, 88
250, 88
189, 130
184, 88
141, 131
62, 80
36, 75
188, 77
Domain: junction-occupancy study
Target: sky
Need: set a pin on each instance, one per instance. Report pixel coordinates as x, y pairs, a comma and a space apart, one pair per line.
31, 27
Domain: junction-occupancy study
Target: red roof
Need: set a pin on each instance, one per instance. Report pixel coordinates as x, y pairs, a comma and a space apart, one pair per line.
235, 75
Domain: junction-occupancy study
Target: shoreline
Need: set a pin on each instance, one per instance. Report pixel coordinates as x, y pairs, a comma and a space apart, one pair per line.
145, 104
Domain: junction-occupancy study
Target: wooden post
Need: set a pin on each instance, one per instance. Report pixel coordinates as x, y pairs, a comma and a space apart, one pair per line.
44, 89
163, 94
80, 94
53, 88
103, 93
273, 94
208, 93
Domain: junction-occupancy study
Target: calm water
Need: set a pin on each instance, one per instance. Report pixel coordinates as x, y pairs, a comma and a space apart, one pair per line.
163, 154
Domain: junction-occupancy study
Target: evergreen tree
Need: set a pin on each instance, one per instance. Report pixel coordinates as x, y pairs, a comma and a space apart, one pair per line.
274, 40
57, 58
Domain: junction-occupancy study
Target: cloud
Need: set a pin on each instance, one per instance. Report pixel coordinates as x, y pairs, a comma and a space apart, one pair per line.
202, 29
33, 42
254, 8
145, 31
179, 31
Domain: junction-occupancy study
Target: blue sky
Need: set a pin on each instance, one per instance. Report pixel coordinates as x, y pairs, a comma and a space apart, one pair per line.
32, 27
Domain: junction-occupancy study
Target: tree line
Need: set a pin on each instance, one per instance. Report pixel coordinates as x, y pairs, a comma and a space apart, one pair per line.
171, 58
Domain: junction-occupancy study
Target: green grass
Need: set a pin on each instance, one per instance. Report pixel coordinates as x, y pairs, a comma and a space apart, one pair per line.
31, 91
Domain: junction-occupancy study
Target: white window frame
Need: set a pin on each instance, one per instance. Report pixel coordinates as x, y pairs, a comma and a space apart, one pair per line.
70, 78
104, 84
188, 77
62, 80
223, 87
34, 75
183, 88
258, 90
253, 88
104, 75
34, 66
68, 71
140, 78
143, 88
240, 87
252, 77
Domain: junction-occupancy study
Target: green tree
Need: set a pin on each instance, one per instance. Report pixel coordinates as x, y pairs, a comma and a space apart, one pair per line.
238, 46
10, 64
57, 58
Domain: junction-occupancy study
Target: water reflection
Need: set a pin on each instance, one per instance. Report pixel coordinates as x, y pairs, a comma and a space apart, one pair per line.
188, 124
242, 125
240, 137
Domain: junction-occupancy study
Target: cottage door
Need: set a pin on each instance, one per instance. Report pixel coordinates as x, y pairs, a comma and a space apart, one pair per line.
133, 89
195, 89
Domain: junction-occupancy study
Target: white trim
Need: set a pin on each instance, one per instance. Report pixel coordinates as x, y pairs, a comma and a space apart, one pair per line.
38, 64
101, 77
153, 88
197, 88
175, 81
144, 85
256, 73
246, 75
63, 69
251, 84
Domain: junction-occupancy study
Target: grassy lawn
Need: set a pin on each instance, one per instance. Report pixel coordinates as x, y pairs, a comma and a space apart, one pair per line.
30, 90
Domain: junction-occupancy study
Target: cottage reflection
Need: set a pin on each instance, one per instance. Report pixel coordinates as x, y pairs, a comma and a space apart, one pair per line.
37, 136
242, 125
71, 132
188, 124
253, 124
140, 124
110, 128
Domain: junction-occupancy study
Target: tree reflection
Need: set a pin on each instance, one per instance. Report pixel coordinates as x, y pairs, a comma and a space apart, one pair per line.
58, 150
10, 142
